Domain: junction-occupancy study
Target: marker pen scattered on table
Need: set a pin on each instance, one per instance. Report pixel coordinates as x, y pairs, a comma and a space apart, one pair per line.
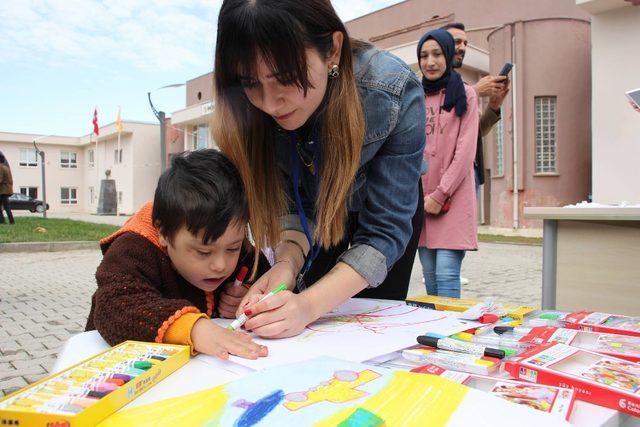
240, 277
461, 347
243, 317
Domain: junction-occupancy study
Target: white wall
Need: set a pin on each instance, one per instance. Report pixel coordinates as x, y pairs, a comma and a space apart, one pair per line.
56, 176
145, 167
615, 36
136, 177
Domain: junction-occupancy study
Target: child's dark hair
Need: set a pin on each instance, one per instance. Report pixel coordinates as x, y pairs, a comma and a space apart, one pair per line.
201, 190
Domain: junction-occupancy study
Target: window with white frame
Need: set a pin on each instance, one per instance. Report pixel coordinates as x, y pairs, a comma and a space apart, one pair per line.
91, 156
545, 110
119, 197
117, 156
68, 196
68, 159
201, 137
500, 146
28, 157
29, 191
91, 195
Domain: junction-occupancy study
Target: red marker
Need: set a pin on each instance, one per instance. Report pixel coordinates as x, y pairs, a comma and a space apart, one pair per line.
241, 275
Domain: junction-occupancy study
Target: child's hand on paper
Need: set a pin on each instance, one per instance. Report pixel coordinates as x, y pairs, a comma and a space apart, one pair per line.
209, 338
284, 314
230, 299
280, 272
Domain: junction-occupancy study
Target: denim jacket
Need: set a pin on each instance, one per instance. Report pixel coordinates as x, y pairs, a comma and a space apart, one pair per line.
385, 189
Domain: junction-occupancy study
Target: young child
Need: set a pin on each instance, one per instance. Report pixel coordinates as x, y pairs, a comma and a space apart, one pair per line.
161, 275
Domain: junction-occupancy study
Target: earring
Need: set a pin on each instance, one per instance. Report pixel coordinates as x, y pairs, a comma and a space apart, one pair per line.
334, 72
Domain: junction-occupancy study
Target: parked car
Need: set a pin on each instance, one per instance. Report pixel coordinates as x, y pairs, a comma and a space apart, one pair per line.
19, 201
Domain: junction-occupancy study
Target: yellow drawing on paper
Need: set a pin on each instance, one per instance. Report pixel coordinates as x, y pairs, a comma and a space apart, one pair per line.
409, 399
204, 408
341, 388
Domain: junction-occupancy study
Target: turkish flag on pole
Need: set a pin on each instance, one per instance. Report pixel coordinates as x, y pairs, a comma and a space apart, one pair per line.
96, 129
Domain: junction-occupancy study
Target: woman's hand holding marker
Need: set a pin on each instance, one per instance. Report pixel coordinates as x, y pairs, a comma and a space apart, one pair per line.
248, 312
281, 272
277, 314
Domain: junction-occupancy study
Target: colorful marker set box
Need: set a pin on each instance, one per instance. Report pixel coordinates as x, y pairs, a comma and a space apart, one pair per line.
622, 346
544, 318
603, 322
602, 380
433, 302
451, 360
91, 390
553, 400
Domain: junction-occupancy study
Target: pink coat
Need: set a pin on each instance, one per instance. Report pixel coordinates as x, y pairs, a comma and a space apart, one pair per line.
450, 152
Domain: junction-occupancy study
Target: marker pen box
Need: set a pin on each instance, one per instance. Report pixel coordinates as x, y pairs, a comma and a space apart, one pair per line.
602, 380
88, 392
433, 302
544, 318
482, 365
553, 400
516, 342
623, 346
603, 322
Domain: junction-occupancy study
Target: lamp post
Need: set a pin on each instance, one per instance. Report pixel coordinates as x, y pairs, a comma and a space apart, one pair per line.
44, 188
160, 115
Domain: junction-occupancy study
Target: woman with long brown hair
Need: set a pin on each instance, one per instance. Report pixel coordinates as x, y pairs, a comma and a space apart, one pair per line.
327, 134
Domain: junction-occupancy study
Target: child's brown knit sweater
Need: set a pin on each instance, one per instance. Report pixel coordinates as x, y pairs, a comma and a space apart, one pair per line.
140, 295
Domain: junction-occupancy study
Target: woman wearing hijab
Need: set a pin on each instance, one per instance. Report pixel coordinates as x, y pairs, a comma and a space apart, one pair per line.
6, 189
449, 227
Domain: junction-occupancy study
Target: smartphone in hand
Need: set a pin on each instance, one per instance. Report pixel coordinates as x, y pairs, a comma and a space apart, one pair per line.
506, 69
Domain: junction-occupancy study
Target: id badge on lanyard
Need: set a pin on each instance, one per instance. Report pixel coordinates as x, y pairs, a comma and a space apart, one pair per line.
314, 247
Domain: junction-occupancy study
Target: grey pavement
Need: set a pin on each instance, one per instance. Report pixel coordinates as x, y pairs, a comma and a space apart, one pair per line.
45, 298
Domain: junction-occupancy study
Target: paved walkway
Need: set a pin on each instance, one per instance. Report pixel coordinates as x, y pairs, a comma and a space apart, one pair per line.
45, 298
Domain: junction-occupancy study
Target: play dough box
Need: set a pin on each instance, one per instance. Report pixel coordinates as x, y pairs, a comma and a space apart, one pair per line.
596, 378
553, 400
91, 390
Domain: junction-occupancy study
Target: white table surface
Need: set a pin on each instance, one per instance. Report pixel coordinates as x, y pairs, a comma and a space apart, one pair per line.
202, 372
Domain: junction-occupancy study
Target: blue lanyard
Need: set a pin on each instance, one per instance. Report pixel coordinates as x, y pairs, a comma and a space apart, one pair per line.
314, 247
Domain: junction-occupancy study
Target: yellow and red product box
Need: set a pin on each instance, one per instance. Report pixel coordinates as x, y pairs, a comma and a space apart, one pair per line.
603, 322
91, 390
433, 302
553, 400
602, 380
623, 346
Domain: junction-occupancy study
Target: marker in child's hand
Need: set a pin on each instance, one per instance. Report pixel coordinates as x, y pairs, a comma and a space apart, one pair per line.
243, 317
240, 277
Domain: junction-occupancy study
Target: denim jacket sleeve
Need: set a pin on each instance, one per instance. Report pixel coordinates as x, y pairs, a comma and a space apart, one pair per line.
394, 105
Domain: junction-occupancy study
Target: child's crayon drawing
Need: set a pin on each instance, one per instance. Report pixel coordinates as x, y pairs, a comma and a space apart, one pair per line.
331, 392
376, 320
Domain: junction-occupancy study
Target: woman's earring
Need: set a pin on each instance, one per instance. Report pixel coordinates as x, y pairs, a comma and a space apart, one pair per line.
334, 72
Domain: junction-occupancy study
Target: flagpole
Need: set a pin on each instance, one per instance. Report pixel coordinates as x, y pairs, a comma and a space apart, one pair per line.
95, 126
119, 128
97, 188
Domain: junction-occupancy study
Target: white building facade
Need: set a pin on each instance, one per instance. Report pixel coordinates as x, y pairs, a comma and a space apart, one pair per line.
75, 166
